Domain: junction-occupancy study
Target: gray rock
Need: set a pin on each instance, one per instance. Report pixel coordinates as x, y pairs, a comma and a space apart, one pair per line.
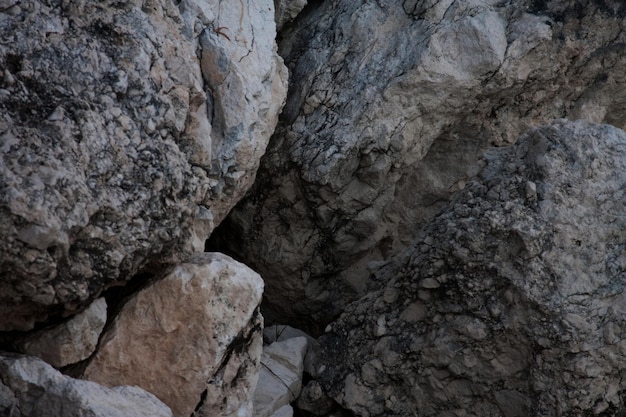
31, 387
389, 111
127, 132
69, 342
280, 378
528, 317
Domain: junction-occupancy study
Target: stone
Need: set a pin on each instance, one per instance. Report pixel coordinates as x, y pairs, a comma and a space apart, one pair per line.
31, 387
193, 339
390, 110
69, 342
284, 411
127, 132
281, 332
314, 400
518, 326
280, 379
287, 10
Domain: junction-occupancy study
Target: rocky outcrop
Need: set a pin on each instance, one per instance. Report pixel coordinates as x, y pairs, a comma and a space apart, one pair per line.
510, 302
127, 131
193, 339
31, 387
388, 111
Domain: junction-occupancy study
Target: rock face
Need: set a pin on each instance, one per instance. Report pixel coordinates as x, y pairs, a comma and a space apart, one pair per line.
510, 302
388, 112
193, 339
127, 131
31, 387
69, 342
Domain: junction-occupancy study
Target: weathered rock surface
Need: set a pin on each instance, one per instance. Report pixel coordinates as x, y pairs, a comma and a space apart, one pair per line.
68, 342
388, 111
127, 131
193, 339
280, 378
510, 302
30, 387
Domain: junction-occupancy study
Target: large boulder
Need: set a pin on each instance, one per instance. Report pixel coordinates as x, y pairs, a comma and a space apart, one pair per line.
127, 131
390, 105
30, 387
193, 339
511, 301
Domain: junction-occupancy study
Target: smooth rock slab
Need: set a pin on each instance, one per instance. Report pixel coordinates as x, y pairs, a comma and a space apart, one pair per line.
280, 379
197, 329
30, 387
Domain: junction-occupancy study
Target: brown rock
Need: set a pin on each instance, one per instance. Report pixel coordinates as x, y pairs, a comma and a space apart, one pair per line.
196, 330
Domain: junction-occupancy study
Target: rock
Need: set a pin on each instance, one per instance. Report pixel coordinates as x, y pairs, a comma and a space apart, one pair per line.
389, 112
314, 400
528, 319
193, 339
31, 387
280, 379
284, 411
281, 332
287, 10
127, 132
68, 342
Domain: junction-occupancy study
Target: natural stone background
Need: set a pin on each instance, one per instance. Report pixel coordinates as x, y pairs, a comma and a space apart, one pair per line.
389, 109
127, 131
510, 302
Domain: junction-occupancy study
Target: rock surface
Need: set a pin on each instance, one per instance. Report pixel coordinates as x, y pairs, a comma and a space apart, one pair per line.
127, 131
280, 378
193, 339
69, 342
510, 302
388, 111
30, 387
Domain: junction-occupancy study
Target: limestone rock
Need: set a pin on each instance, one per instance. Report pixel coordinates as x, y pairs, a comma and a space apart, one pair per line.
127, 131
193, 339
280, 379
281, 332
527, 318
284, 411
389, 110
68, 342
31, 387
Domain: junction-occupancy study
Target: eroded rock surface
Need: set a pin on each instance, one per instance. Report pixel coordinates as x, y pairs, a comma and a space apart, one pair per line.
510, 302
127, 131
193, 339
31, 387
388, 111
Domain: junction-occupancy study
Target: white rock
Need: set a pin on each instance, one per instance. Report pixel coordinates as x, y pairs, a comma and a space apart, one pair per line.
31, 387
280, 379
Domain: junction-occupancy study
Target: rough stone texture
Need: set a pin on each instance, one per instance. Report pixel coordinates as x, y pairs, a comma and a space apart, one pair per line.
287, 10
69, 342
127, 131
510, 302
281, 332
314, 400
280, 378
193, 339
388, 111
30, 387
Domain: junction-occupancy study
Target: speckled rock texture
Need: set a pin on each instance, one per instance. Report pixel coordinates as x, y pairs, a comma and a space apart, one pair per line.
390, 106
510, 302
127, 132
